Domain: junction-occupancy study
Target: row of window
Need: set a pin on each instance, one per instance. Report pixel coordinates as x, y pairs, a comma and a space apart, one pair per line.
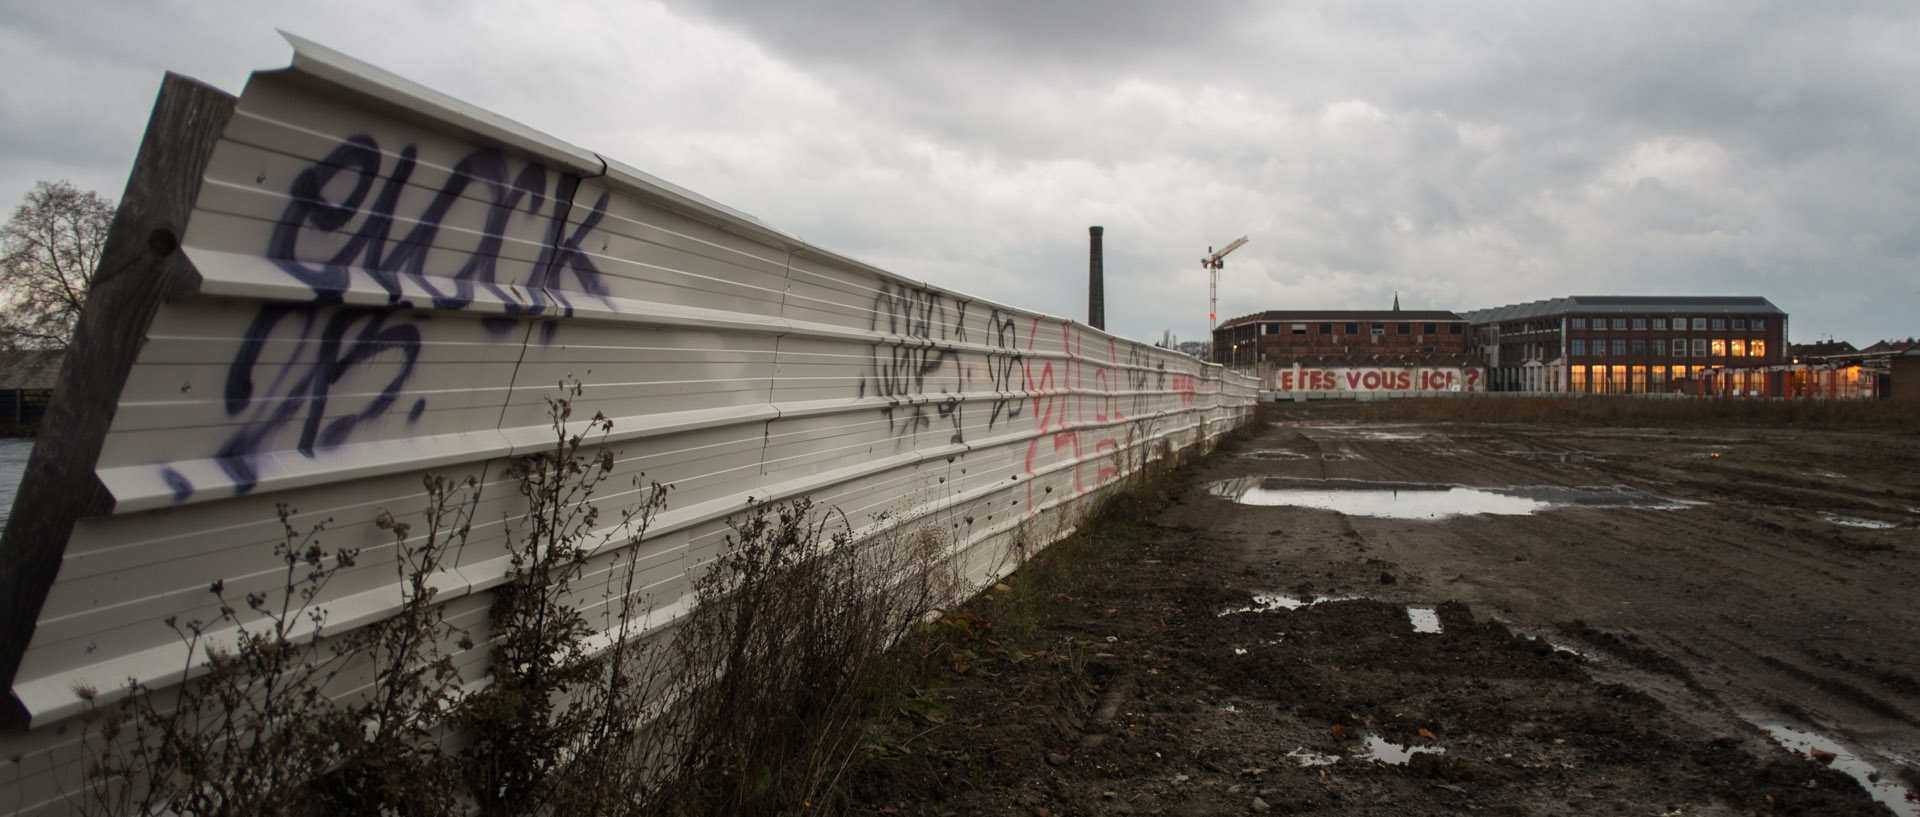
1702, 347
1655, 379
1375, 328
1719, 324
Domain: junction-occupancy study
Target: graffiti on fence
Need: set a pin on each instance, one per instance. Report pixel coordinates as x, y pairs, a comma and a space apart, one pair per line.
345, 218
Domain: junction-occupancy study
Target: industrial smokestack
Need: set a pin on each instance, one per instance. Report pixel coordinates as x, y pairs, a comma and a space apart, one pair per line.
1096, 282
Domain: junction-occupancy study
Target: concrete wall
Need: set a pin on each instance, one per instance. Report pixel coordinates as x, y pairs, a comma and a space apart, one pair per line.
376, 282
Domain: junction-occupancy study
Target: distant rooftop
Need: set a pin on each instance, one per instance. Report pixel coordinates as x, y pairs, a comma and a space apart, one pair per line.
1343, 315
1624, 304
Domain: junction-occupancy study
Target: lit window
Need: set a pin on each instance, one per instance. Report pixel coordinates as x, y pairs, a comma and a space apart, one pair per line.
1578, 379
1756, 348
1719, 347
1737, 348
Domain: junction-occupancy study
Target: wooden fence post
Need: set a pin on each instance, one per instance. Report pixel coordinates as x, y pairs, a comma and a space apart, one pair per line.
140, 266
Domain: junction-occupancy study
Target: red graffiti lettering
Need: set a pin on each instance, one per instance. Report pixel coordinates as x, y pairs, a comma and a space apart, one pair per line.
1183, 385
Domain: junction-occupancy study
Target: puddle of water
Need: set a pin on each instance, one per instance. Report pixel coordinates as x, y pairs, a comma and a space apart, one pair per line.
1393, 754
1425, 619
1269, 602
1273, 454
1305, 758
1389, 436
1881, 787
1432, 501
1827, 474
1856, 522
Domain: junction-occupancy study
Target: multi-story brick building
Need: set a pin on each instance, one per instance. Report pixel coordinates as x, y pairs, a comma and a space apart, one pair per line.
1312, 354
1328, 335
1635, 345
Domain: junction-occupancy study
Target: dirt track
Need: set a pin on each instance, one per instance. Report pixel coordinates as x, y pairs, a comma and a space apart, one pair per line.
1591, 660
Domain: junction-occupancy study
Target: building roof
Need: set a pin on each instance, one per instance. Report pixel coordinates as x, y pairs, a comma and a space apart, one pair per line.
1828, 348
1625, 304
1889, 347
30, 368
1345, 315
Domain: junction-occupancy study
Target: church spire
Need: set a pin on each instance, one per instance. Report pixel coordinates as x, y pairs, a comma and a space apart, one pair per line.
1396, 300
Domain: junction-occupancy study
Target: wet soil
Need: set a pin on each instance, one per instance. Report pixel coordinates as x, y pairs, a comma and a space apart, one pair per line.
1590, 660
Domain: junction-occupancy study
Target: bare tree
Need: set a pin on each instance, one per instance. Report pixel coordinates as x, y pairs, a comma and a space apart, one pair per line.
48, 251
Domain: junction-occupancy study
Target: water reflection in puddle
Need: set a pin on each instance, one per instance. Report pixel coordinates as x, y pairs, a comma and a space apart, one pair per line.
1419, 501
1394, 754
1273, 454
1883, 790
1425, 619
1269, 602
1856, 522
1378, 749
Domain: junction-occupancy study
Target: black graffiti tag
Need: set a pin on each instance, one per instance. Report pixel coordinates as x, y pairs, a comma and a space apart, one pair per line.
372, 249
328, 344
923, 325
293, 356
1004, 367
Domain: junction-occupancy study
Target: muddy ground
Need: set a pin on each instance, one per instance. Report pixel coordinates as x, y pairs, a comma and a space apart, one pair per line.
1589, 659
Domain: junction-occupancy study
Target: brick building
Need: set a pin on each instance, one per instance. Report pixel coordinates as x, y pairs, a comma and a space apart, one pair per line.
1635, 345
1315, 354
1342, 335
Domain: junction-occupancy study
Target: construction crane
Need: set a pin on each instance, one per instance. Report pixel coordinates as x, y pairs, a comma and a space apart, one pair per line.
1212, 264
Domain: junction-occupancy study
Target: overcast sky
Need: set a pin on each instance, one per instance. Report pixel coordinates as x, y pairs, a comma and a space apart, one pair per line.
1463, 154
